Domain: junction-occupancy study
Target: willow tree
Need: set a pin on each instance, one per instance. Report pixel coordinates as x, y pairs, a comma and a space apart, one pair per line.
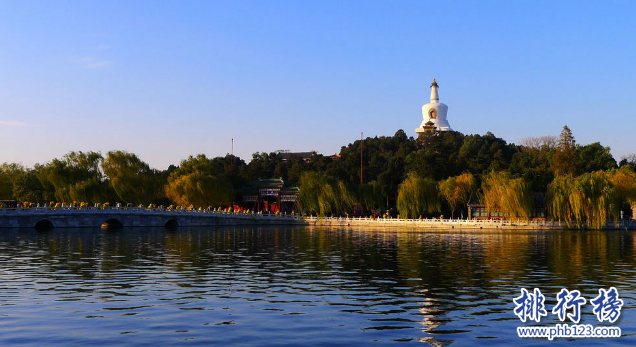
512, 197
457, 190
595, 198
9, 173
624, 181
132, 179
585, 200
370, 196
418, 196
323, 195
558, 199
196, 183
76, 177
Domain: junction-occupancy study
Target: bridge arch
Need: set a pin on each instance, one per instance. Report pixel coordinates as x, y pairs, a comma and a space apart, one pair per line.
112, 223
172, 223
44, 224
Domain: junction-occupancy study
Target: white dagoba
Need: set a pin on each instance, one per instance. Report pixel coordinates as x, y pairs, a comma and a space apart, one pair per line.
434, 113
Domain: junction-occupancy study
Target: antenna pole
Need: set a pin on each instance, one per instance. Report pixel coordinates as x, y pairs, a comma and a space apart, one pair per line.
361, 146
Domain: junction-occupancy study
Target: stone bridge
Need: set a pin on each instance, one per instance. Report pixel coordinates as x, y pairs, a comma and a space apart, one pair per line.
44, 218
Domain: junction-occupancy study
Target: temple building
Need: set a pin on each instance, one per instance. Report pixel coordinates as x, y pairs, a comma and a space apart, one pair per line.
269, 196
285, 155
477, 209
434, 114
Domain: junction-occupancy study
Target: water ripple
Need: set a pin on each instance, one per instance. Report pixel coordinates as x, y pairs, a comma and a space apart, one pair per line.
296, 286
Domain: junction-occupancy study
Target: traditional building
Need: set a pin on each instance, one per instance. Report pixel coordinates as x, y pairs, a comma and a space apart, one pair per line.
477, 209
269, 196
285, 155
434, 114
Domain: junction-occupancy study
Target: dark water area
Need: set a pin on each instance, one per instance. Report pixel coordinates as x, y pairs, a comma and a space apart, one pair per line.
291, 286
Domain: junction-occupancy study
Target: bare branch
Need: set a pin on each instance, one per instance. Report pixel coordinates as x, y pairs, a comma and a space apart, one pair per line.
538, 142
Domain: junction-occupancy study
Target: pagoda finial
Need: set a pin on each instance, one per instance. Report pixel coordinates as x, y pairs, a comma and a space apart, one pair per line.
434, 95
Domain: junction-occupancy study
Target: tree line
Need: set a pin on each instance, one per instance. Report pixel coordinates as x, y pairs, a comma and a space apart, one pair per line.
436, 174
118, 177
440, 173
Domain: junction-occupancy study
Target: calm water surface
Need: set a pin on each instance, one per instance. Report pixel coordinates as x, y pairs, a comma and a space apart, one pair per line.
250, 286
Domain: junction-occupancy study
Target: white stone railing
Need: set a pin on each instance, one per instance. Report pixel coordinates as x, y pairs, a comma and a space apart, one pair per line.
458, 222
143, 210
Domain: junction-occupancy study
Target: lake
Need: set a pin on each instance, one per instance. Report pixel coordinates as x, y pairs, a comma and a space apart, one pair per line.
291, 286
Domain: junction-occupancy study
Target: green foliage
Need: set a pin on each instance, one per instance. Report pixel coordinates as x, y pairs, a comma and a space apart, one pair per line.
21, 184
196, 183
9, 174
418, 196
624, 181
480, 154
558, 198
594, 157
390, 179
629, 161
231, 167
91, 190
131, 178
292, 169
585, 200
123, 177
592, 200
510, 196
6, 187
565, 160
263, 165
458, 190
383, 161
76, 177
370, 196
323, 195
437, 157
533, 164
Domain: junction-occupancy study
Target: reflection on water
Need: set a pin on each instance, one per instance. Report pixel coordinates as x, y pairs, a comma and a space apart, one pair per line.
293, 286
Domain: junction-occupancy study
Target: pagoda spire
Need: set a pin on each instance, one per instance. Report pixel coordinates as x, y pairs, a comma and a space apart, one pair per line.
434, 114
434, 94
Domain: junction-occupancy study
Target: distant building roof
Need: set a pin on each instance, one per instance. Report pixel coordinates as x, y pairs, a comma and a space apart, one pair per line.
289, 190
267, 182
268, 187
285, 155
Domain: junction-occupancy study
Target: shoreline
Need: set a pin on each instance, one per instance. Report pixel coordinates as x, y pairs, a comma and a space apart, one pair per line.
459, 224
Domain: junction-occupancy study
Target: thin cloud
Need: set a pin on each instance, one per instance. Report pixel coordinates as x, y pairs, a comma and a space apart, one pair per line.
94, 63
101, 47
14, 123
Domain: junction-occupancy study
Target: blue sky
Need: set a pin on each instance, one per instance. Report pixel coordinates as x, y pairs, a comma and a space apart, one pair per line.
175, 78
